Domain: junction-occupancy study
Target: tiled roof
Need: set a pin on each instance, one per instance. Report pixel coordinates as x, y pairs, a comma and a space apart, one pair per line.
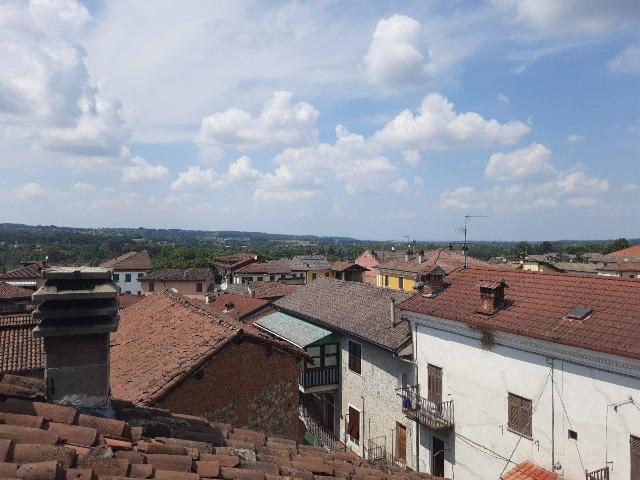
20, 351
49, 442
271, 290
179, 274
282, 266
162, 339
621, 267
537, 305
388, 255
8, 291
448, 260
343, 266
126, 300
312, 262
575, 267
233, 261
529, 471
356, 308
243, 305
633, 251
134, 261
25, 272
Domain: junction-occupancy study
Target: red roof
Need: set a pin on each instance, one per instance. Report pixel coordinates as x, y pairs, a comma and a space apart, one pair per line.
27, 271
529, 471
134, 261
448, 260
20, 351
8, 291
126, 300
272, 267
537, 305
621, 267
235, 260
344, 266
633, 251
242, 305
271, 290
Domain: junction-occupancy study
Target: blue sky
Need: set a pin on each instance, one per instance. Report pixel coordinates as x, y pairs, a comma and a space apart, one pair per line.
368, 119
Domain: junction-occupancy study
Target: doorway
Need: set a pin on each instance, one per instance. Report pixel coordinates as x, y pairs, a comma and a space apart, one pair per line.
401, 442
437, 458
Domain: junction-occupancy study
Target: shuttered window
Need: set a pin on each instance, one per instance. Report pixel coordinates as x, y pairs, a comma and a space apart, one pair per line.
353, 427
520, 414
355, 357
635, 457
434, 384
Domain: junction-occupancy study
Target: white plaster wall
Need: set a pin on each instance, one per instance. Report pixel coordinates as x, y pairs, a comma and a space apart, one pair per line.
133, 286
374, 394
478, 380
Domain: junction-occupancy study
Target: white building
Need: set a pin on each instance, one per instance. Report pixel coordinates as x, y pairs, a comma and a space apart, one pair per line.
515, 366
128, 269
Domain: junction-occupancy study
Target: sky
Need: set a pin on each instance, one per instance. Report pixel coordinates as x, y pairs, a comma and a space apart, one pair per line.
369, 119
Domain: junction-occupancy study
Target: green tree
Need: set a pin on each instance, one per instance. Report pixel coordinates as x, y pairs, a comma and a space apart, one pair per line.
619, 244
546, 247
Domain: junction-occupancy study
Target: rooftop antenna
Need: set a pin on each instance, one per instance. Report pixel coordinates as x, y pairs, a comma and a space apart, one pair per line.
408, 240
465, 244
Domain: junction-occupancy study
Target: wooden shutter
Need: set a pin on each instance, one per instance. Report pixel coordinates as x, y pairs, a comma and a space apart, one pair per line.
525, 417
401, 431
434, 383
353, 428
355, 354
635, 457
514, 407
520, 415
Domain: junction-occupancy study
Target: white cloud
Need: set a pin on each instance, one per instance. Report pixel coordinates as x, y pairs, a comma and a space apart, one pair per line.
582, 201
545, 203
627, 61
412, 157
279, 124
196, 178
418, 181
631, 187
532, 161
577, 182
83, 187
141, 171
242, 171
575, 138
503, 98
437, 126
30, 190
460, 198
399, 186
397, 56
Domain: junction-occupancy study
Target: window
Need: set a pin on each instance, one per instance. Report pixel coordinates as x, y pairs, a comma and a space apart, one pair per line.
316, 355
330, 358
259, 279
323, 355
198, 287
634, 443
520, 414
572, 435
127, 277
116, 277
353, 426
326, 274
434, 385
401, 283
140, 275
355, 357
314, 275
272, 278
282, 277
386, 280
152, 286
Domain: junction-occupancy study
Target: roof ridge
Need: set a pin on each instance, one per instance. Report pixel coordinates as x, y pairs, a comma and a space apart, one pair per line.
205, 313
556, 274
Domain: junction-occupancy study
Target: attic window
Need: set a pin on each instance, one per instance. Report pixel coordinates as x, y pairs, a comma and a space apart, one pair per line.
579, 312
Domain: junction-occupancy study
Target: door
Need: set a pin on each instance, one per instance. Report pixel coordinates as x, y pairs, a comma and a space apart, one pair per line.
434, 383
401, 441
635, 457
437, 458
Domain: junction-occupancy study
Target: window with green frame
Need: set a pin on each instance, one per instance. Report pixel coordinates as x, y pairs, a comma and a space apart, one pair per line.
322, 355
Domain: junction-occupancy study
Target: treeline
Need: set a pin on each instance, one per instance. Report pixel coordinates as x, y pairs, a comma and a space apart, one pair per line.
197, 248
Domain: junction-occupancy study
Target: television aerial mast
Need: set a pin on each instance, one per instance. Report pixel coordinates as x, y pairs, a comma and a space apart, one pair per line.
465, 228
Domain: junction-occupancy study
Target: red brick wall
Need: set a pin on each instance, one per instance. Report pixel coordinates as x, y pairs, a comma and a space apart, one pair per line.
245, 385
368, 260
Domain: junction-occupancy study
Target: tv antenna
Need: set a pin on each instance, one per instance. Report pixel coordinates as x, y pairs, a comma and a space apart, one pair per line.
464, 229
408, 239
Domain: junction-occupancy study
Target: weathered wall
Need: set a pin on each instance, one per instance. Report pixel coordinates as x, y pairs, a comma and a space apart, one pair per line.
133, 286
245, 385
367, 260
183, 288
381, 407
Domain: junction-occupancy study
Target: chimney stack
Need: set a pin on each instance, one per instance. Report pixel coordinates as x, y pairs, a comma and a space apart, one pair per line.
406, 258
491, 296
421, 256
77, 311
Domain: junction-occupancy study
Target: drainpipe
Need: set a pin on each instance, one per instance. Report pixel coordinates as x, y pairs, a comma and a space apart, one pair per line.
415, 378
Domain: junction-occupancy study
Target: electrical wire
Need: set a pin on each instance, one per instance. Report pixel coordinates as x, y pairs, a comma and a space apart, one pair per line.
570, 426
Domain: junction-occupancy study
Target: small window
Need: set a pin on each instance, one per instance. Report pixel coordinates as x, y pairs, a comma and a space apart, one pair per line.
353, 426
259, 279
127, 277
386, 280
314, 275
326, 274
316, 355
282, 277
355, 357
140, 275
116, 277
520, 415
198, 287
401, 283
272, 278
572, 435
152, 286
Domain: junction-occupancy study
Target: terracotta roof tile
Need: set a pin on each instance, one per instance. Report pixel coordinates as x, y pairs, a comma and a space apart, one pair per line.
537, 305
633, 251
275, 267
343, 266
20, 351
529, 471
179, 275
271, 290
448, 260
27, 271
242, 305
130, 261
8, 291
352, 307
234, 261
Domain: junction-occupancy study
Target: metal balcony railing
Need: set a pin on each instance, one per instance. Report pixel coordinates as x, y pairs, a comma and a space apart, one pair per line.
316, 377
436, 416
328, 441
602, 474
377, 452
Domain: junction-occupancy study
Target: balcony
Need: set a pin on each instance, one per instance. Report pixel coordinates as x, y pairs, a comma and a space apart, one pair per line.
436, 416
318, 379
602, 474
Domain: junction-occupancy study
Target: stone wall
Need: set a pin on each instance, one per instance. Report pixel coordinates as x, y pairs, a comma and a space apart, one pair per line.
247, 385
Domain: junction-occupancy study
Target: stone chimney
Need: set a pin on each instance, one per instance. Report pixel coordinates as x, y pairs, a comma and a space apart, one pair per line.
77, 310
491, 296
421, 256
406, 258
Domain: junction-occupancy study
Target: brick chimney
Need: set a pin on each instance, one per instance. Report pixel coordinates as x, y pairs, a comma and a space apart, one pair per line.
491, 296
77, 311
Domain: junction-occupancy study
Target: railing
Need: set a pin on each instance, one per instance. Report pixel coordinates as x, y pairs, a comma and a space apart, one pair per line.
315, 377
602, 474
324, 437
377, 452
437, 416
